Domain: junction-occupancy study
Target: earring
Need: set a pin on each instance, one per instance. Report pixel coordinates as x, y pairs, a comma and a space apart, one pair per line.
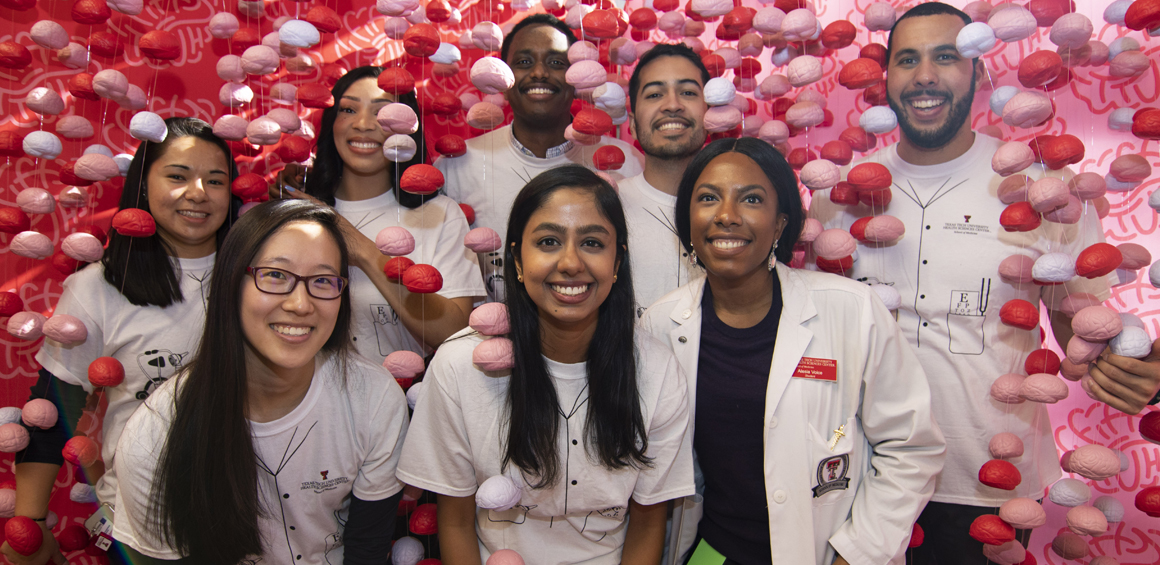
773, 256
693, 257
520, 277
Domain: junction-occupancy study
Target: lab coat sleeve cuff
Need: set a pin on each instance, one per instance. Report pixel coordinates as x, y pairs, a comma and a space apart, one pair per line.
857, 553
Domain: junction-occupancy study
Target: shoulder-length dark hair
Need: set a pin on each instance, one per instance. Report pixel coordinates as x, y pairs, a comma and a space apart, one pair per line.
776, 169
205, 494
614, 430
324, 176
139, 267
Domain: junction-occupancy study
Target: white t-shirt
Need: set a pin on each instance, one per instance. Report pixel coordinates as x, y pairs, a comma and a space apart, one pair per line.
340, 440
660, 264
946, 269
457, 437
438, 227
494, 170
152, 343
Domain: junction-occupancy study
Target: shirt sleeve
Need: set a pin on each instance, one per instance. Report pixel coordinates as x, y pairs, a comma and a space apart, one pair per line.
671, 472
907, 446
138, 453
437, 455
456, 263
70, 363
382, 434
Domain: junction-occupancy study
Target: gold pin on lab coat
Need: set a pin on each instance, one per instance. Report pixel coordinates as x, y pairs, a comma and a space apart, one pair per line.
838, 435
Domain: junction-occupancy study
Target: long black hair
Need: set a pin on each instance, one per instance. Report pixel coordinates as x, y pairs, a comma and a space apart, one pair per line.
139, 266
776, 169
323, 179
205, 493
614, 430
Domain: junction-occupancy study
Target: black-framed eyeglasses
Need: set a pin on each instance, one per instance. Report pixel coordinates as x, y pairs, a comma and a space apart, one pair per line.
279, 281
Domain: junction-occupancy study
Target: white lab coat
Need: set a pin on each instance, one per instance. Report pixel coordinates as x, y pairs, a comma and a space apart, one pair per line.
893, 446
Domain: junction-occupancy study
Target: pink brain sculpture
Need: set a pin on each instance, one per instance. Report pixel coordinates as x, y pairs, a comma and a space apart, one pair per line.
493, 354
39, 413
395, 241
490, 319
404, 364
1023, 513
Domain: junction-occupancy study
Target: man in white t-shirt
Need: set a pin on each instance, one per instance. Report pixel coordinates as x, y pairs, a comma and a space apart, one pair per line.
945, 269
667, 117
499, 163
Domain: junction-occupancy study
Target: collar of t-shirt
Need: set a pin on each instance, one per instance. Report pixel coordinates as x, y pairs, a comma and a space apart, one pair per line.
197, 264
981, 151
742, 336
567, 371
552, 152
651, 192
322, 367
381, 201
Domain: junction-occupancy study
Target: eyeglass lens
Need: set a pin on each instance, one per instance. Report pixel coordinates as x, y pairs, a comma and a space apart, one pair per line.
277, 281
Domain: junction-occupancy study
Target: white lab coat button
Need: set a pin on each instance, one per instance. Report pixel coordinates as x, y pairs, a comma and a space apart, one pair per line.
682, 339
773, 421
779, 496
687, 314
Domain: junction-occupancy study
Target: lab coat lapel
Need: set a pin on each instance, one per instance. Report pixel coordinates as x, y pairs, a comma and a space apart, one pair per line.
687, 317
792, 336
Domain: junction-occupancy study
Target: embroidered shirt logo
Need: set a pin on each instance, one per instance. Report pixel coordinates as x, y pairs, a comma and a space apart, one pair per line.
832, 474
325, 484
967, 219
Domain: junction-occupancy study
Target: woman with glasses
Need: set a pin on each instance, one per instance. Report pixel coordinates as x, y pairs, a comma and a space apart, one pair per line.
274, 398
143, 304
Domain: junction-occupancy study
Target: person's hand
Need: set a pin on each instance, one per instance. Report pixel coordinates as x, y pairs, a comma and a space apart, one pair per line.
1123, 383
364, 254
49, 551
290, 182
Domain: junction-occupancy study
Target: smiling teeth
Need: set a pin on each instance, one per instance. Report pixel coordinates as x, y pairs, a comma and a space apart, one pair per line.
926, 103
539, 91
364, 144
728, 243
192, 214
290, 330
671, 125
570, 290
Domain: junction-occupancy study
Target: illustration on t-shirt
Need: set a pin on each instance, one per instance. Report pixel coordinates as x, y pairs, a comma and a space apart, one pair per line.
968, 309
334, 540
158, 365
283, 497
517, 514
383, 315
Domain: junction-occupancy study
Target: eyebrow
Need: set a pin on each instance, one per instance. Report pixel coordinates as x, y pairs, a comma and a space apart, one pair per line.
530, 51
357, 99
938, 49
583, 230
285, 261
186, 168
682, 81
746, 188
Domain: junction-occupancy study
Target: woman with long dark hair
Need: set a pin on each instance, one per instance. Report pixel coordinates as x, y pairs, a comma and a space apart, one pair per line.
275, 441
812, 426
352, 174
590, 420
143, 305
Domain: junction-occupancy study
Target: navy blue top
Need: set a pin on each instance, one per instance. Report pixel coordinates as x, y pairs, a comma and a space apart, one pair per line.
729, 438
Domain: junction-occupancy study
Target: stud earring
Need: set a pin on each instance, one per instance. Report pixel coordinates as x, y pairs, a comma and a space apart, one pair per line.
520, 277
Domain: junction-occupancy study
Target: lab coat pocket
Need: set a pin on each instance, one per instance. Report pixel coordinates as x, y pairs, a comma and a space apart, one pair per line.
836, 459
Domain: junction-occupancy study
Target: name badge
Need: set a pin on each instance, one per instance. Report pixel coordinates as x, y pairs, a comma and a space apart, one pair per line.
817, 369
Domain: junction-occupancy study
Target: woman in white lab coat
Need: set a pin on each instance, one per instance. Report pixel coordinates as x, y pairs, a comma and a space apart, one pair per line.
812, 422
